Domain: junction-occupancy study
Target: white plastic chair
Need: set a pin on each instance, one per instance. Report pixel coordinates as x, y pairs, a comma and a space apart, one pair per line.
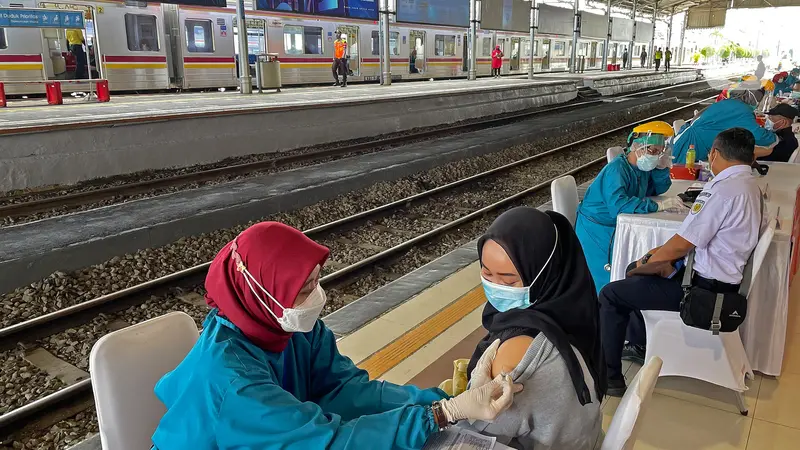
625, 424
613, 152
677, 124
125, 366
564, 192
793, 158
695, 353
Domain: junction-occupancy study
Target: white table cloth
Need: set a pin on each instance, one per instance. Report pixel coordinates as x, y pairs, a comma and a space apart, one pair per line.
764, 330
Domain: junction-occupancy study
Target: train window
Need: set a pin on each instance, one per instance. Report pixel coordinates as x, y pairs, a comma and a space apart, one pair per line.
3, 43
312, 40
487, 46
583, 49
445, 45
142, 33
293, 39
393, 47
600, 48
199, 36
559, 49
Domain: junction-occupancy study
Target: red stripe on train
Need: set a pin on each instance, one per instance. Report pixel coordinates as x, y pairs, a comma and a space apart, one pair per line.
129, 59
445, 59
305, 60
399, 60
204, 59
20, 58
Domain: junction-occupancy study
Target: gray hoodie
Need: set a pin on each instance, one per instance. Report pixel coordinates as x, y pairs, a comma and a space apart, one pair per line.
547, 414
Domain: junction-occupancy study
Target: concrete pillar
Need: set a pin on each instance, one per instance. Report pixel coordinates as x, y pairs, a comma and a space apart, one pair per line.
245, 82
472, 73
533, 24
681, 56
652, 53
608, 37
633, 37
576, 30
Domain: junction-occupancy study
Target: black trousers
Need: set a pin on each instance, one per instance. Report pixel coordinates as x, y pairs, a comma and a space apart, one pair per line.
666, 64
495, 72
658, 64
340, 65
621, 299
81, 71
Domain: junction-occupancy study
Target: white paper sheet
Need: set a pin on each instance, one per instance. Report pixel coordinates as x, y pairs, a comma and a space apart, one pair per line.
459, 439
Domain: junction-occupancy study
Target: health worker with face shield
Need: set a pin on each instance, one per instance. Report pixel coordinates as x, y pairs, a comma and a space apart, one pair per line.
266, 374
738, 111
623, 187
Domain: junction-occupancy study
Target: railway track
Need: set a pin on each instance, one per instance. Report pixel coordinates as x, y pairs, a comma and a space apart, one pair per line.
344, 273
61, 200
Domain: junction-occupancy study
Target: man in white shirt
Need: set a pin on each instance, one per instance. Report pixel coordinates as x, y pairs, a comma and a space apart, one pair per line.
723, 228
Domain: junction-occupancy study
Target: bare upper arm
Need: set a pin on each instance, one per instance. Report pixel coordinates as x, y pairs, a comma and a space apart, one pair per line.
510, 354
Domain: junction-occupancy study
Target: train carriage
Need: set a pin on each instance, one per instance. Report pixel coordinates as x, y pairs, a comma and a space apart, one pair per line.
152, 46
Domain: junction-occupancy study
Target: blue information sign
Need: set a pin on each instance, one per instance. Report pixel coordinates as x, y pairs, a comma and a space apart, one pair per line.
40, 18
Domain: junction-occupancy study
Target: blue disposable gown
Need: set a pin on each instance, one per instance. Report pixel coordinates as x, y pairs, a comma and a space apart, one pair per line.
228, 393
715, 119
618, 188
786, 86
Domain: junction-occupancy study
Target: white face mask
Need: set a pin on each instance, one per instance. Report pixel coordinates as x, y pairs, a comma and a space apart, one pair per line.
711, 165
302, 317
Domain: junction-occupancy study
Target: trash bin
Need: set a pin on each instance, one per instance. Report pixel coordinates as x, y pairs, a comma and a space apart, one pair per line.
268, 71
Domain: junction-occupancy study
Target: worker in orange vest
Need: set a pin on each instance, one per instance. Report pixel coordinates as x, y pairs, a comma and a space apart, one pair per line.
340, 60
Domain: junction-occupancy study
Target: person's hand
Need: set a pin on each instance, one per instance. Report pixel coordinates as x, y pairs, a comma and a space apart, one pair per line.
482, 403
482, 373
672, 204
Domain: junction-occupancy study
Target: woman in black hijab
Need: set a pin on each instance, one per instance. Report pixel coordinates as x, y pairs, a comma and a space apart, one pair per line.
541, 293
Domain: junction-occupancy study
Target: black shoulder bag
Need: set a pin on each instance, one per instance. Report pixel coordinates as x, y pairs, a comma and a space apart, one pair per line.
701, 308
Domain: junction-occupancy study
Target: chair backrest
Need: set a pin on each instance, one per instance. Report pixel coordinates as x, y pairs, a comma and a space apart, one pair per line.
676, 125
613, 152
624, 425
125, 366
793, 158
564, 192
757, 258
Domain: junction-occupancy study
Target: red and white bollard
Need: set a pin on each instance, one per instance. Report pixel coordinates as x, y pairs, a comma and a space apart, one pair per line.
103, 94
3, 102
53, 91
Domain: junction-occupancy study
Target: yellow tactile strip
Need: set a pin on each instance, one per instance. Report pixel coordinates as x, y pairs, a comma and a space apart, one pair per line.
386, 358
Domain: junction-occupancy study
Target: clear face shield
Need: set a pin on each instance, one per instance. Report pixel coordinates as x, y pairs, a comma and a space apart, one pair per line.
650, 144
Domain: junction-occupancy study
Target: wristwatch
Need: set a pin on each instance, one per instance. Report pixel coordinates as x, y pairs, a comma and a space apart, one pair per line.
440, 417
646, 258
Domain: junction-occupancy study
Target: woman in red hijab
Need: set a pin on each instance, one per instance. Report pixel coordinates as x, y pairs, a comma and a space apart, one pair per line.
497, 61
266, 374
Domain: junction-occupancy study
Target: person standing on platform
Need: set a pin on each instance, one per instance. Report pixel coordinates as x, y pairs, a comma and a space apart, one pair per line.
667, 59
623, 187
643, 58
76, 41
779, 121
723, 229
761, 69
340, 60
736, 111
625, 58
497, 61
657, 58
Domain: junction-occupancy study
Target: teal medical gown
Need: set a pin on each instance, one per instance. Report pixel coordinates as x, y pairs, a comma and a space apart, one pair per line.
228, 393
618, 188
786, 86
715, 119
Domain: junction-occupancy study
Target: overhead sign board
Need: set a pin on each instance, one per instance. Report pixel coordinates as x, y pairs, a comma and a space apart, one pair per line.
356, 9
506, 15
40, 18
434, 12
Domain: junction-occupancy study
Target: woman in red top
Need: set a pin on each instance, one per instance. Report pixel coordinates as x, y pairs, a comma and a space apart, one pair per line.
497, 61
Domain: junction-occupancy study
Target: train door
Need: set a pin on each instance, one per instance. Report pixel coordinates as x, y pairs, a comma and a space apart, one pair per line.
61, 57
354, 61
545, 54
515, 54
417, 49
465, 55
172, 31
593, 53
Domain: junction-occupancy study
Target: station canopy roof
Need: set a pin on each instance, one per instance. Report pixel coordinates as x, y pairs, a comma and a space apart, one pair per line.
702, 13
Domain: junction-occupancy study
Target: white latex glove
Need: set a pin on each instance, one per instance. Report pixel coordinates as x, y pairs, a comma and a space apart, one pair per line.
482, 403
665, 162
672, 204
482, 373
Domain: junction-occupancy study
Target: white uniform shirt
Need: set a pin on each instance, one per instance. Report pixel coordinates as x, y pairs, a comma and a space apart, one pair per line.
724, 224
